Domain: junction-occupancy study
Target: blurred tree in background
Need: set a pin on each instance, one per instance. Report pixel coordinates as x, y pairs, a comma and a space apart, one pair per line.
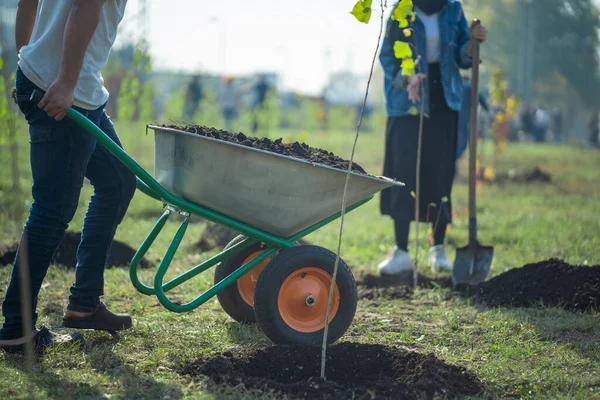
565, 50
136, 92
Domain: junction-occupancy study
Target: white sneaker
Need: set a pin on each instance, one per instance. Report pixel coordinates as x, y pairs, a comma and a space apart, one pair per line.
438, 259
397, 262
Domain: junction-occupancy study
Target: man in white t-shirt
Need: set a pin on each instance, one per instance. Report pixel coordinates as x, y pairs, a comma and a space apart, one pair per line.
63, 46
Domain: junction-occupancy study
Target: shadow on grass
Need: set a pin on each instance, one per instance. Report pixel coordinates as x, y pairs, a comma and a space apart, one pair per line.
246, 335
578, 331
134, 385
53, 385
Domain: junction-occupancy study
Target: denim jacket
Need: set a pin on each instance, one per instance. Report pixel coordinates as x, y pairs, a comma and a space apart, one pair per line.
454, 41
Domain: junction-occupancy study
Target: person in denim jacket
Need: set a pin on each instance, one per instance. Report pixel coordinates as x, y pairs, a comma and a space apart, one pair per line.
442, 40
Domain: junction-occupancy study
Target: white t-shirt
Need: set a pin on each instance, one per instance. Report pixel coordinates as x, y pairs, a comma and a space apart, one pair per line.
432, 33
40, 59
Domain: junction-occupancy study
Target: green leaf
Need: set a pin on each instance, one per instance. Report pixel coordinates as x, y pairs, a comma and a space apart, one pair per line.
402, 50
413, 110
413, 194
362, 11
1, 63
403, 12
408, 67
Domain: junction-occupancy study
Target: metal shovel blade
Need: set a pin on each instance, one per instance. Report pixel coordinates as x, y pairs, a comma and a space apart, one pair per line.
472, 265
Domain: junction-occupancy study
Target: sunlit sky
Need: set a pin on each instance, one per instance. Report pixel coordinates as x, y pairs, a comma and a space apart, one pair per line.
288, 37
304, 41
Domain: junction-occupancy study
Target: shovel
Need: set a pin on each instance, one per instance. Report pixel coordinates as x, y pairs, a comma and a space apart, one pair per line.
473, 262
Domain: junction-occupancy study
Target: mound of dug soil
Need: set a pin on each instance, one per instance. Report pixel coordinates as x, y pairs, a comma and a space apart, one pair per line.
372, 287
296, 150
120, 254
534, 175
354, 371
552, 283
217, 236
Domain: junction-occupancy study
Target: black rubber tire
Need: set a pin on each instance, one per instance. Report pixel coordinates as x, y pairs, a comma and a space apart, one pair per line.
230, 299
275, 273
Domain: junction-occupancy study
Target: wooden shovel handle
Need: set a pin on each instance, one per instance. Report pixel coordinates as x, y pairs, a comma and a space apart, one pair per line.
473, 141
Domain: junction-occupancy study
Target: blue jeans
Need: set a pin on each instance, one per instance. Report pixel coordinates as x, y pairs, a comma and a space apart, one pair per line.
62, 155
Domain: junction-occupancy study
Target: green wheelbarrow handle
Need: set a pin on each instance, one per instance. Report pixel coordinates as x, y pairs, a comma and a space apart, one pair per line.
148, 185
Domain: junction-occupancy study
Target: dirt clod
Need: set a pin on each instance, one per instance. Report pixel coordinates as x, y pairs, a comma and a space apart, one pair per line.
551, 283
8, 253
296, 150
354, 371
120, 254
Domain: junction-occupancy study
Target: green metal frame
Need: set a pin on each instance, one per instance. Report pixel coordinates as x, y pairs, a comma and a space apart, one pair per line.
148, 185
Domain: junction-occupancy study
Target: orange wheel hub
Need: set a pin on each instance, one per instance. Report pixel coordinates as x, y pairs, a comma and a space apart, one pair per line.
247, 283
303, 297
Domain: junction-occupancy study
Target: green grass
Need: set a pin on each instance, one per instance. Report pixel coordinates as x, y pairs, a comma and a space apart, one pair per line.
522, 353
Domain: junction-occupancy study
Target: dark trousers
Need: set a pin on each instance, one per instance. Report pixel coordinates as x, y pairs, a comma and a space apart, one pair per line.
62, 155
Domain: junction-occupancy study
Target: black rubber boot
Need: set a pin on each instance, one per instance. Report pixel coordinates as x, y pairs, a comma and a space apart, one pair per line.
101, 320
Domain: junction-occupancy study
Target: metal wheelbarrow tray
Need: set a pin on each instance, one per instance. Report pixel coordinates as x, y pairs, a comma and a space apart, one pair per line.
278, 194
273, 201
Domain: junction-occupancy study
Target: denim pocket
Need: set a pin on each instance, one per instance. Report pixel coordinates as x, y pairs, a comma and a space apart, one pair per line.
24, 88
40, 133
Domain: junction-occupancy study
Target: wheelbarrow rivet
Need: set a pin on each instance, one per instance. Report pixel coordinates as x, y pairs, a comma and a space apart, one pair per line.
310, 300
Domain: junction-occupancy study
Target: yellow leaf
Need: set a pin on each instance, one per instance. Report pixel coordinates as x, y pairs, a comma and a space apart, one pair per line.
489, 174
512, 105
408, 72
362, 11
408, 65
407, 32
402, 50
402, 12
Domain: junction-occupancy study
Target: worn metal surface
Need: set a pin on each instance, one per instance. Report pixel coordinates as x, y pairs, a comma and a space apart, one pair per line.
278, 194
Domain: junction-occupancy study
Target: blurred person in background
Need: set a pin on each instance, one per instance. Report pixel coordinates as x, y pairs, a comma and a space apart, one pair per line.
439, 27
228, 97
193, 97
526, 120
594, 130
557, 124
260, 95
541, 122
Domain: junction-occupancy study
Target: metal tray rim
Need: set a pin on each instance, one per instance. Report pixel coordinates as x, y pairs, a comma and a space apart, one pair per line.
373, 177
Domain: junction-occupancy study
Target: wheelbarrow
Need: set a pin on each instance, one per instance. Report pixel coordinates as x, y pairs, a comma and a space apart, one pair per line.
273, 201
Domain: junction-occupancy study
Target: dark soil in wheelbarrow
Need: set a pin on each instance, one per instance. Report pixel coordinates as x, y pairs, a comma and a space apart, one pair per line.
552, 283
296, 149
373, 287
120, 254
354, 371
